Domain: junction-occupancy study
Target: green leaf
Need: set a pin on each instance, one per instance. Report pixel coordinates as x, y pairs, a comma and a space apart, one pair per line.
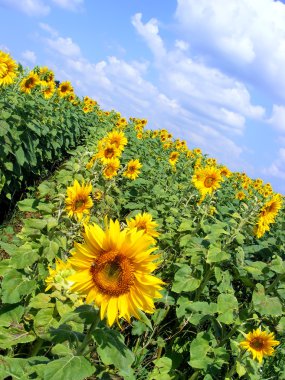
199, 350
61, 350
227, 307
184, 281
43, 322
37, 224
69, 367
15, 334
15, 285
41, 301
11, 314
14, 368
20, 155
186, 225
24, 256
28, 205
215, 255
112, 349
9, 248
266, 305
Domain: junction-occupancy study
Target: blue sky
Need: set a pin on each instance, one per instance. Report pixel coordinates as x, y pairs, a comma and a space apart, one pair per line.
211, 72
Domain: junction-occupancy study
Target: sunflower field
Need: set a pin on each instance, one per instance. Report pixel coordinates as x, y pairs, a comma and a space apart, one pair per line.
129, 255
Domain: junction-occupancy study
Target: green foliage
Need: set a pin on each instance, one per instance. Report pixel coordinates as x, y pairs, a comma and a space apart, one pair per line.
221, 282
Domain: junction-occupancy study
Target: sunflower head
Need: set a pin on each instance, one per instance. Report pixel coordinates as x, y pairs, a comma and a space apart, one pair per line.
8, 69
117, 138
113, 269
173, 158
57, 278
133, 169
143, 222
108, 152
65, 89
259, 343
78, 201
29, 82
111, 168
207, 180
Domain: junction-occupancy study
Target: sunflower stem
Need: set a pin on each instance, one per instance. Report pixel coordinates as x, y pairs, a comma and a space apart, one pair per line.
88, 336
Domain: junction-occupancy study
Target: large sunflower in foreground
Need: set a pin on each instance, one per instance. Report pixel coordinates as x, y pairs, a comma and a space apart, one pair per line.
78, 201
113, 269
8, 69
259, 343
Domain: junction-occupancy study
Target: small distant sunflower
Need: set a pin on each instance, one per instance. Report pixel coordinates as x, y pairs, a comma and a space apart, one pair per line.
108, 152
57, 278
240, 195
259, 343
271, 208
133, 169
8, 69
29, 82
46, 74
145, 223
65, 89
48, 89
111, 168
139, 135
173, 158
78, 200
225, 172
207, 180
113, 269
117, 138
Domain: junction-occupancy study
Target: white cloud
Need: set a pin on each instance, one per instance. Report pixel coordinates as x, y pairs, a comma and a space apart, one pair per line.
150, 33
182, 45
64, 46
239, 34
47, 28
29, 56
29, 7
277, 119
71, 5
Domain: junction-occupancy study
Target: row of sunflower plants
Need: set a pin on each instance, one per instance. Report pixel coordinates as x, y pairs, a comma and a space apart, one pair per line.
142, 259
40, 121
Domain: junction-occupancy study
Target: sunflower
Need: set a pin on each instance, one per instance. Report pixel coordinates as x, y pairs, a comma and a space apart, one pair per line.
111, 168
8, 69
48, 89
145, 223
117, 138
271, 208
29, 82
57, 278
240, 195
78, 200
225, 172
108, 152
207, 180
133, 169
113, 269
259, 343
65, 89
46, 74
173, 158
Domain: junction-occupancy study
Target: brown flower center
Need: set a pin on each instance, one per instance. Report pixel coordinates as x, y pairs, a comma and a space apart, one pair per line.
209, 181
257, 343
113, 273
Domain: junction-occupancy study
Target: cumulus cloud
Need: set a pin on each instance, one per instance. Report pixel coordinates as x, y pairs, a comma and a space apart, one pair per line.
29, 56
29, 7
247, 35
64, 46
277, 119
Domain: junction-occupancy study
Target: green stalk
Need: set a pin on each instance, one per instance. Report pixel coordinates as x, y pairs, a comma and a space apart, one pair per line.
88, 336
207, 276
